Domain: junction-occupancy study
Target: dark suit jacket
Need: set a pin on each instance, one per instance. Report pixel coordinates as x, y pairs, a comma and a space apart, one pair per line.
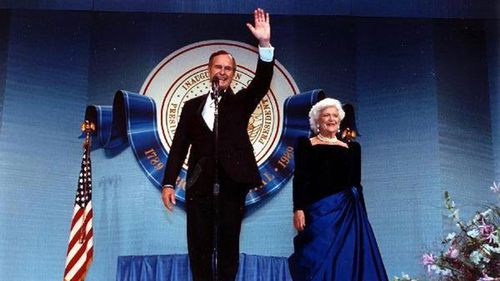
236, 155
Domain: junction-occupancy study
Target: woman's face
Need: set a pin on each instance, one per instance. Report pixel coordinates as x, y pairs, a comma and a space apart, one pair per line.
329, 121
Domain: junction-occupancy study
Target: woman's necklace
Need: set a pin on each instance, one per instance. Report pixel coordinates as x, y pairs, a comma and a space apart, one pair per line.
327, 139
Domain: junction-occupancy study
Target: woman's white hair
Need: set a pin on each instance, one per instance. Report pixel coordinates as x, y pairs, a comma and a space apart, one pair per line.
316, 110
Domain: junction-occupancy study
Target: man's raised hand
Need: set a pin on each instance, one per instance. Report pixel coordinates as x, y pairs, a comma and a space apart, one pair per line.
261, 29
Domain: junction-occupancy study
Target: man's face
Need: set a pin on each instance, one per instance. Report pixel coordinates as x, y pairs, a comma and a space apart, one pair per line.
222, 66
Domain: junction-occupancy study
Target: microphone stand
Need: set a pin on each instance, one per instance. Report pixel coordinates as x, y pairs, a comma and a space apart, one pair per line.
216, 186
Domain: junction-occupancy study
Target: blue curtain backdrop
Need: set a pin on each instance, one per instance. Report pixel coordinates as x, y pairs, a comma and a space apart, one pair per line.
361, 8
4, 31
426, 94
493, 45
46, 86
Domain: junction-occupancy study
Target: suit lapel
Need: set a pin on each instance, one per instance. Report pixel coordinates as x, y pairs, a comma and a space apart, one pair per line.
199, 110
199, 114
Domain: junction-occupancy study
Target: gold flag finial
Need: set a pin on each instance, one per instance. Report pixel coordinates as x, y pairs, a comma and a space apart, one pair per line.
87, 127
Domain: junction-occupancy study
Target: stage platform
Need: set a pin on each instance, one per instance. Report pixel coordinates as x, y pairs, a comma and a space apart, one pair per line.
176, 268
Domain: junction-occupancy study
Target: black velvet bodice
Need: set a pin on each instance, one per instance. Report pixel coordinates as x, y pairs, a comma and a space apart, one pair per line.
322, 170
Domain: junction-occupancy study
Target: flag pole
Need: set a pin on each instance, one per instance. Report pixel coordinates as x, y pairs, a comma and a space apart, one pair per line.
88, 128
81, 243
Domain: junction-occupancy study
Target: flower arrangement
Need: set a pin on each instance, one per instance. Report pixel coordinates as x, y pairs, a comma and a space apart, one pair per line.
404, 277
472, 254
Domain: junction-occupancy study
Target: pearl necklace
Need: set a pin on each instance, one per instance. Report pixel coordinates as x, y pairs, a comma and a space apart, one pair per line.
327, 139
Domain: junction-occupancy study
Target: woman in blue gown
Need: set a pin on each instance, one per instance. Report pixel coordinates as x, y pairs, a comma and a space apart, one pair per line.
335, 240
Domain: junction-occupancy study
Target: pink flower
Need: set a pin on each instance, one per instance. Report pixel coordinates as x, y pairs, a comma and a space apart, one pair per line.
452, 251
486, 231
487, 278
428, 260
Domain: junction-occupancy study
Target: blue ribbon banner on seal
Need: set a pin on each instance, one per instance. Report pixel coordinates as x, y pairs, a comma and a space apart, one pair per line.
132, 121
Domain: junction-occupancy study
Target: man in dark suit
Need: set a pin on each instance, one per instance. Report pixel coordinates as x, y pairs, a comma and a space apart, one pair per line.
237, 169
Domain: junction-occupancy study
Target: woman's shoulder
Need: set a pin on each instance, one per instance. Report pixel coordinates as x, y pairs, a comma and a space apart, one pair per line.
302, 142
354, 145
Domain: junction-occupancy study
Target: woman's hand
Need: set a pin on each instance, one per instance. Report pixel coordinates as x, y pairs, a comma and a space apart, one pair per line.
299, 220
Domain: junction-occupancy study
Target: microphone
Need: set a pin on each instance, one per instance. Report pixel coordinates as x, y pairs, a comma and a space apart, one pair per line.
215, 86
215, 83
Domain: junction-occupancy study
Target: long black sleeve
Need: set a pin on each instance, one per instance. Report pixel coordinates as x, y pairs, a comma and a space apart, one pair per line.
259, 86
300, 179
356, 151
179, 149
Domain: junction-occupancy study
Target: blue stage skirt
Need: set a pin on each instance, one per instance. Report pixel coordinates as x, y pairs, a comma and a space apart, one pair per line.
337, 243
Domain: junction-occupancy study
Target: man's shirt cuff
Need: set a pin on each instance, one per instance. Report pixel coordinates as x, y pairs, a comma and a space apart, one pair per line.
266, 53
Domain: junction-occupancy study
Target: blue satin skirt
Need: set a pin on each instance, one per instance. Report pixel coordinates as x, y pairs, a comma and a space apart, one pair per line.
337, 243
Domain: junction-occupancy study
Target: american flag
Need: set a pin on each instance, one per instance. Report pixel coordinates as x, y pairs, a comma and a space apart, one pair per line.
81, 242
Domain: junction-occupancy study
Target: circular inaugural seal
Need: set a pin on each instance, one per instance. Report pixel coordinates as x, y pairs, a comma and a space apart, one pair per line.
183, 75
